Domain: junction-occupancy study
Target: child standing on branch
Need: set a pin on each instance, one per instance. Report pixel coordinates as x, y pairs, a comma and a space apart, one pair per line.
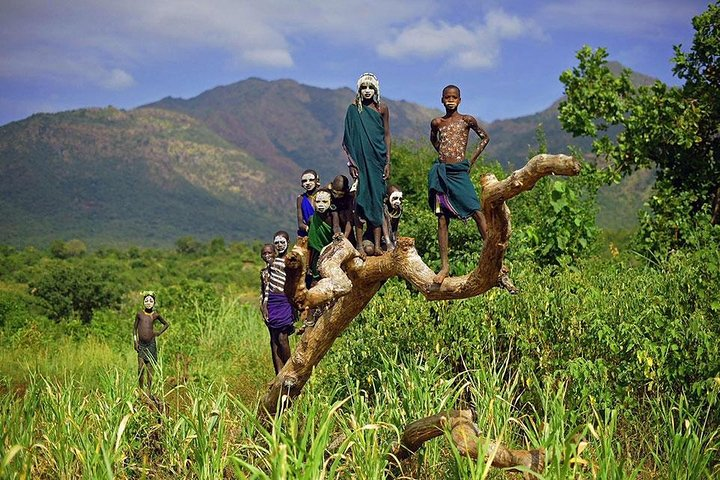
367, 144
451, 193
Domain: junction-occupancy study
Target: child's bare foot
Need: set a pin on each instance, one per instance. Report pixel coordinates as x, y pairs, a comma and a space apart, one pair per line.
441, 276
377, 251
361, 252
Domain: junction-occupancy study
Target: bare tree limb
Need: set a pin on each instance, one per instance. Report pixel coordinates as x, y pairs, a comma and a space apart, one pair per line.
464, 434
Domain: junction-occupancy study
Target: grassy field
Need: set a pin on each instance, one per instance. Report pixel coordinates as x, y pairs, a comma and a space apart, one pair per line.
569, 366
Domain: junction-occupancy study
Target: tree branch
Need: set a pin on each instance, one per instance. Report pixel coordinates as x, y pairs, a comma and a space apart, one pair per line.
464, 434
349, 283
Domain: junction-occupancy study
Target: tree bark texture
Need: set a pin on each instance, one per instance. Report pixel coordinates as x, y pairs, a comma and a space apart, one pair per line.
348, 283
464, 435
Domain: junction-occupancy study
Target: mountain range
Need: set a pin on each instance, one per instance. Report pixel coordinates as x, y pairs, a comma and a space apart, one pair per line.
223, 164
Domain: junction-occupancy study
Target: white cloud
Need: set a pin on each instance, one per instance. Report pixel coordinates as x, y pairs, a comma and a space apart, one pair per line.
117, 79
461, 46
639, 18
271, 57
425, 39
46, 63
251, 32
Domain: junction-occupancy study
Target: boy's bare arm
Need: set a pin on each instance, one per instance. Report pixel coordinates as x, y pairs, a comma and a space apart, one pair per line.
165, 324
135, 331
482, 134
262, 284
336, 222
434, 128
300, 221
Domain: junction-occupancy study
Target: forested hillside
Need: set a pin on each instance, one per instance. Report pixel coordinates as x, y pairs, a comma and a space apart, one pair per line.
117, 177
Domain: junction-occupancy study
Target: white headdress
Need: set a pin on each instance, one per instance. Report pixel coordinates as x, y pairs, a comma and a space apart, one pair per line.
372, 80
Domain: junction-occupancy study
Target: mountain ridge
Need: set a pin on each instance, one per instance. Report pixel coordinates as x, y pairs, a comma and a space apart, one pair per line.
223, 163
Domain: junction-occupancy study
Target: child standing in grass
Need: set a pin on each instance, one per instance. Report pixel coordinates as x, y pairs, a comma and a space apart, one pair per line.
280, 312
144, 335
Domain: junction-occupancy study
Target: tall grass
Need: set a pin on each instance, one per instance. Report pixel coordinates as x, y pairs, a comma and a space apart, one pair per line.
572, 366
60, 428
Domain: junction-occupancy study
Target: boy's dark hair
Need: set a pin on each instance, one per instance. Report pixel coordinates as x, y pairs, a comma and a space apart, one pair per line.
268, 245
451, 86
309, 170
391, 189
282, 233
341, 182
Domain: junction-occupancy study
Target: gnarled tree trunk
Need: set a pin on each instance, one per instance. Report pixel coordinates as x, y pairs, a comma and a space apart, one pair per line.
349, 283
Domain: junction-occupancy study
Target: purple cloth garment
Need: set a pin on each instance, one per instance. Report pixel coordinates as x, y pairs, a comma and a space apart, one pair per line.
280, 311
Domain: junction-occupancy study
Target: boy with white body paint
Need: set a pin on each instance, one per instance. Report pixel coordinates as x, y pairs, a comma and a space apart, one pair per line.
323, 225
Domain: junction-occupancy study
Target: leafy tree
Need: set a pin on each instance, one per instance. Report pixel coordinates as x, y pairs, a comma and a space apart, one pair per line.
217, 245
189, 246
673, 130
71, 248
67, 290
556, 219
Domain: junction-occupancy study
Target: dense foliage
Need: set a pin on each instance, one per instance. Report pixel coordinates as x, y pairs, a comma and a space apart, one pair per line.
673, 130
553, 224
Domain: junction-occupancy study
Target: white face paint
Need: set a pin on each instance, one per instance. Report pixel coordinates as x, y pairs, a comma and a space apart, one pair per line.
149, 302
367, 91
308, 181
322, 202
396, 199
280, 243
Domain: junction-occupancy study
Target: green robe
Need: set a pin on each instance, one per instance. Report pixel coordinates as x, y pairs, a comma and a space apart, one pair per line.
364, 143
320, 234
453, 181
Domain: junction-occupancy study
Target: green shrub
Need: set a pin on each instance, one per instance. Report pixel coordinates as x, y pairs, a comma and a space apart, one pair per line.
76, 289
614, 332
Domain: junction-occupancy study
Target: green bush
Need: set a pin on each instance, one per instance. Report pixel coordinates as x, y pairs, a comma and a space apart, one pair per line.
76, 289
614, 332
13, 311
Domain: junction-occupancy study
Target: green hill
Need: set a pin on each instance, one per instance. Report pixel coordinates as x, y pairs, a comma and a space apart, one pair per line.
143, 177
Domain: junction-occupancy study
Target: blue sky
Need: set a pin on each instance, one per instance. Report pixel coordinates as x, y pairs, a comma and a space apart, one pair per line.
505, 55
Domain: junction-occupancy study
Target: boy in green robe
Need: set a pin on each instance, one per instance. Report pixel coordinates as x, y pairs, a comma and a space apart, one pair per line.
451, 194
367, 144
323, 225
